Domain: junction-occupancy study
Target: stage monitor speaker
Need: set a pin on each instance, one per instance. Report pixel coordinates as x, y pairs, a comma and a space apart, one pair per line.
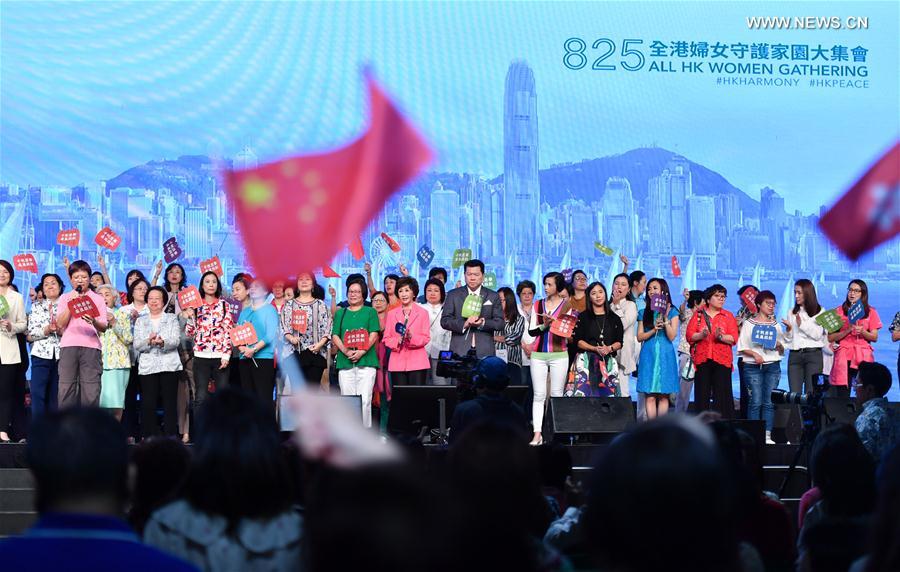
756, 428
787, 425
599, 418
416, 406
287, 422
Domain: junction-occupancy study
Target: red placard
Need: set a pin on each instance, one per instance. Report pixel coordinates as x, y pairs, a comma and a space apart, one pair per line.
243, 335
189, 297
107, 238
298, 320
357, 339
676, 268
25, 263
390, 242
563, 326
749, 298
69, 237
212, 265
83, 306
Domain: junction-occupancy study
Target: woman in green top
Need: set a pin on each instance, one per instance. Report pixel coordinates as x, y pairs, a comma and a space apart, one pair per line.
357, 363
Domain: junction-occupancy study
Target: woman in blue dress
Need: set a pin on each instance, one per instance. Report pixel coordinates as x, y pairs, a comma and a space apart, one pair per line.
657, 330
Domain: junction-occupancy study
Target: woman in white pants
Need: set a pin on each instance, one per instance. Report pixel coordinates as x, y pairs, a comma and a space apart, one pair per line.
626, 310
357, 360
550, 356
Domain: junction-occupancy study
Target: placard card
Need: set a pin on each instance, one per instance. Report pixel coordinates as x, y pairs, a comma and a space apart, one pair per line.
461, 256
298, 320
425, 255
357, 339
603, 248
749, 298
472, 306
107, 238
189, 297
567, 274
4, 307
764, 335
69, 237
172, 250
658, 303
490, 280
563, 326
830, 320
243, 335
212, 265
83, 306
25, 263
856, 311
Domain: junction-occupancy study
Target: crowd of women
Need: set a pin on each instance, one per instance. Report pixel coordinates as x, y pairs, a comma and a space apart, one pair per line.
142, 352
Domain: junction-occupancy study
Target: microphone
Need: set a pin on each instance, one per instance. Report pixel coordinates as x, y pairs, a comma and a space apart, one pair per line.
79, 289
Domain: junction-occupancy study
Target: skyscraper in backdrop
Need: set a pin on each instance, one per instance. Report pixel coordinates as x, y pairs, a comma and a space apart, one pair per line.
522, 192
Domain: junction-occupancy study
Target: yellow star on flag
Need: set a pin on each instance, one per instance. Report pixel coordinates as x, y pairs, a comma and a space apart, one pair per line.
257, 193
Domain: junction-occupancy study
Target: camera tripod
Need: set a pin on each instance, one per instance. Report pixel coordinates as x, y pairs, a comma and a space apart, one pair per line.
811, 416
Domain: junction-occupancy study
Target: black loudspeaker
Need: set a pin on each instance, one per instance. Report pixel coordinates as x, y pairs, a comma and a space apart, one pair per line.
840, 410
416, 406
787, 425
756, 428
598, 418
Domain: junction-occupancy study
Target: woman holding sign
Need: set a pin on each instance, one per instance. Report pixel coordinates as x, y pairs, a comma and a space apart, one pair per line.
208, 325
551, 320
258, 358
853, 342
657, 330
407, 331
761, 347
354, 334
12, 323
156, 338
808, 339
306, 323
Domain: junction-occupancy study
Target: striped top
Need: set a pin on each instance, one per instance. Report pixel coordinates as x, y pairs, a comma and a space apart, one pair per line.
546, 342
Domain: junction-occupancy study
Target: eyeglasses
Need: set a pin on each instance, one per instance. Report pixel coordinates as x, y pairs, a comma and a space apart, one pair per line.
721, 296
855, 290
581, 278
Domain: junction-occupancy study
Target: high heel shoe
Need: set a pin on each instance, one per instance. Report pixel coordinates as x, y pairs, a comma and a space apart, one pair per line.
537, 442
5, 439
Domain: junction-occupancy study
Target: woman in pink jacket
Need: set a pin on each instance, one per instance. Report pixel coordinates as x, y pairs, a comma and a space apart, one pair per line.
407, 330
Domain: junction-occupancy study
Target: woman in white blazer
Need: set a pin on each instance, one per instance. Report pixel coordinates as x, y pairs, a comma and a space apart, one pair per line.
12, 323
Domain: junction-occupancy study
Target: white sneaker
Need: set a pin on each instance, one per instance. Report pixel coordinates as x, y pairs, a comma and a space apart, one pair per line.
769, 440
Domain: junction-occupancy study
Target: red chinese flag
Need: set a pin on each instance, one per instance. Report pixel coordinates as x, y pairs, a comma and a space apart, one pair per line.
749, 298
390, 242
327, 199
676, 268
329, 272
25, 263
869, 213
356, 248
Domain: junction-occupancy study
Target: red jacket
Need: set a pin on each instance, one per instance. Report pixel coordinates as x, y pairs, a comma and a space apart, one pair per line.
411, 354
709, 348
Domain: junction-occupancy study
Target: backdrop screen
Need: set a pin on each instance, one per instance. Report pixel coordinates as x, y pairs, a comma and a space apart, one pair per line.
565, 133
